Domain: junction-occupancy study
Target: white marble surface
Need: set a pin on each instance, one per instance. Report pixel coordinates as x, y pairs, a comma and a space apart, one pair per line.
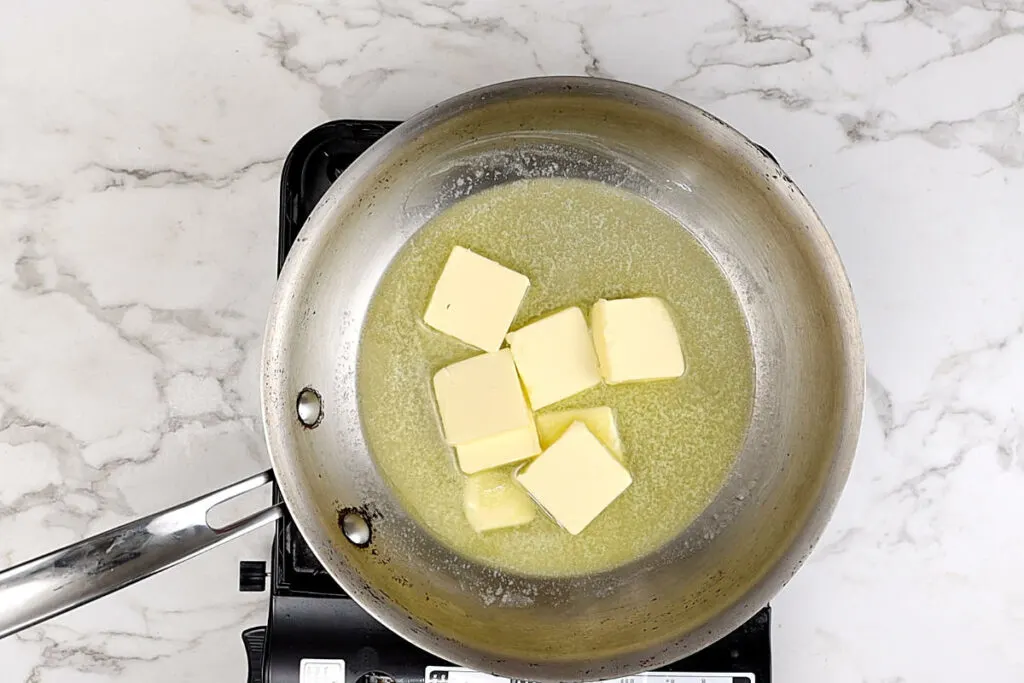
140, 147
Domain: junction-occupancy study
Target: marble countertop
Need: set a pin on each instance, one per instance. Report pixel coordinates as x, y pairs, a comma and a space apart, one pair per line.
140, 150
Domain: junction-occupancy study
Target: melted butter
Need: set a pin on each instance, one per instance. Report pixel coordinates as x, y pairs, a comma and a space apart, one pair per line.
577, 241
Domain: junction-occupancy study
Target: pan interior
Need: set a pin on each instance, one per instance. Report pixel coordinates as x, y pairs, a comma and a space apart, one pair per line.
578, 241
804, 417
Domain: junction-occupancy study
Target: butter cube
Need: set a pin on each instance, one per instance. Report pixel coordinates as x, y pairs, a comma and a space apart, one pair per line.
480, 397
501, 449
475, 299
555, 357
600, 421
575, 479
636, 340
492, 500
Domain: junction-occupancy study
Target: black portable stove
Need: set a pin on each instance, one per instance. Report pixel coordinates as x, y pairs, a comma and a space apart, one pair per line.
317, 634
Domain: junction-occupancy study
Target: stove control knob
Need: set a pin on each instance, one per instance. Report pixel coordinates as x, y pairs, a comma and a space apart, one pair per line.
252, 576
255, 640
376, 677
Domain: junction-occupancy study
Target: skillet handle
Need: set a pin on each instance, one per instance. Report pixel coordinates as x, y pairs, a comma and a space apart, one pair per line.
79, 573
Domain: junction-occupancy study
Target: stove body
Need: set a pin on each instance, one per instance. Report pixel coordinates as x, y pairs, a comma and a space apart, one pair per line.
314, 632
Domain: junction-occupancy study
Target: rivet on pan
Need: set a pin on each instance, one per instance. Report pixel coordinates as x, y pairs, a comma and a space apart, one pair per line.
309, 407
356, 528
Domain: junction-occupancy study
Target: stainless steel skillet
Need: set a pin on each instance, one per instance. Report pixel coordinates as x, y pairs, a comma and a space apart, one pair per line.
809, 389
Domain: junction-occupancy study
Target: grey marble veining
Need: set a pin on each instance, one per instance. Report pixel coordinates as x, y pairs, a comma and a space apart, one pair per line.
140, 147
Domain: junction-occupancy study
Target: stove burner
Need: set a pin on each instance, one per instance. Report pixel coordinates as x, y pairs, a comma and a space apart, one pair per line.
315, 633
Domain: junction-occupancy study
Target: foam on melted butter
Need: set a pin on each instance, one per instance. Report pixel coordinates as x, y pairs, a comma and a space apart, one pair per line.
577, 241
